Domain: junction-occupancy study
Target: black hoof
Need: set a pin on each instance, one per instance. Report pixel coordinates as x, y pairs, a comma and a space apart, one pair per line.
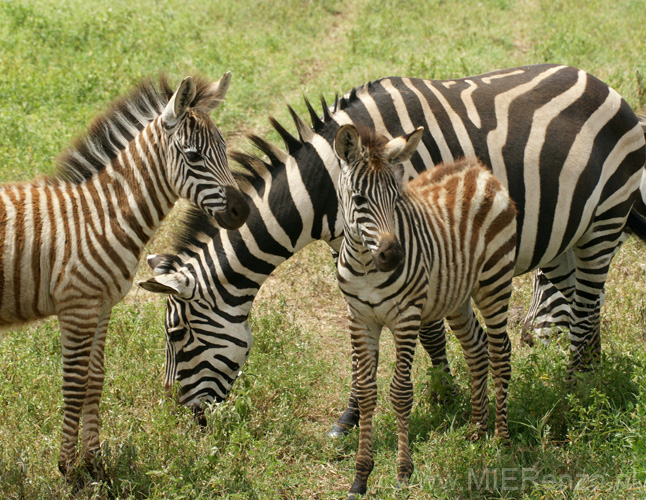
338, 431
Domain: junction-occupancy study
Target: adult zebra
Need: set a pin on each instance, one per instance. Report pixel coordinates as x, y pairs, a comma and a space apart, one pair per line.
72, 243
562, 141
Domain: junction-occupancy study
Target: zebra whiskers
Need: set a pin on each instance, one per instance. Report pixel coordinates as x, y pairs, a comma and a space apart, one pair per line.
416, 254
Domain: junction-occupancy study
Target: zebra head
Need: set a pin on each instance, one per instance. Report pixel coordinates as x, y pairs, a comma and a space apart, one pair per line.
190, 331
197, 165
369, 187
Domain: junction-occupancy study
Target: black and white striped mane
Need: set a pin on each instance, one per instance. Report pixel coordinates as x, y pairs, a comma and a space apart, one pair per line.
111, 131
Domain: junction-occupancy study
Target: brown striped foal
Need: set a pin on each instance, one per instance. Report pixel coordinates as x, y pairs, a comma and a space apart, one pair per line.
71, 244
416, 254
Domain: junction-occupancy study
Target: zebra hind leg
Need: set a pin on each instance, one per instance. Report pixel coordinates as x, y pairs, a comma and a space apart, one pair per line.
493, 303
549, 312
78, 329
593, 258
473, 340
432, 336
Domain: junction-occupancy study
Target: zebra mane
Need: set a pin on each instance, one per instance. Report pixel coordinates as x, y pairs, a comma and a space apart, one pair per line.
253, 169
193, 223
255, 166
111, 131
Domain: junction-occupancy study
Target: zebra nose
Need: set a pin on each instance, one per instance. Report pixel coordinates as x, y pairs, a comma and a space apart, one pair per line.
237, 209
389, 255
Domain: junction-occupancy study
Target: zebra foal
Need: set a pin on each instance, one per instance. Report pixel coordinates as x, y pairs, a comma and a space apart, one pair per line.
71, 244
415, 254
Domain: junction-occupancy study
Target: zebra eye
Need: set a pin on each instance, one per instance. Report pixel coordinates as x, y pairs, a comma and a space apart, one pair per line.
176, 334
193, 156
359, 199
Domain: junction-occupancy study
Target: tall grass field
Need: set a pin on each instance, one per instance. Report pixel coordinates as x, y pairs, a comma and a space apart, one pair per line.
61, 63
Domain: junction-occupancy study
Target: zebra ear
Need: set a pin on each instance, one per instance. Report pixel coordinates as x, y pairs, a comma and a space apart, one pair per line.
216, 93
347, 145
178, 104
402, 148
159, 263
400, 175
177, 283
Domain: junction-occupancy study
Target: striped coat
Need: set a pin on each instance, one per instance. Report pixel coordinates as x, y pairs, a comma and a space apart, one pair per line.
71, 244
417, 255
532, 126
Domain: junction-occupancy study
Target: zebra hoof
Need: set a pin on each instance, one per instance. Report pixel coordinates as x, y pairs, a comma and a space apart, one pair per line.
401, 484
338, 431
477, 434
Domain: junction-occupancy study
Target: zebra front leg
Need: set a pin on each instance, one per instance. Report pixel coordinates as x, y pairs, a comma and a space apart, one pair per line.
433, 339
473, 340
365, 342
349, 419
90, 432
401, 397
77, 337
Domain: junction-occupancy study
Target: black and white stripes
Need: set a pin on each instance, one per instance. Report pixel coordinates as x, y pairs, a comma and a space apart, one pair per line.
567, 147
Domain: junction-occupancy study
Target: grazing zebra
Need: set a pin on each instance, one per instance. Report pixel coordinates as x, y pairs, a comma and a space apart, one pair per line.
416, 254
72, 243
559, 139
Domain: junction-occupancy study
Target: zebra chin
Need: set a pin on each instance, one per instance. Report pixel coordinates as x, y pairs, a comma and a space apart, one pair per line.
389, 255
236, 212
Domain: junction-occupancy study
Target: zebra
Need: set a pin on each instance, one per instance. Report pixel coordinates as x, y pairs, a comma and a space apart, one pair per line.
418, 253
549, 312
72, 242
535, 127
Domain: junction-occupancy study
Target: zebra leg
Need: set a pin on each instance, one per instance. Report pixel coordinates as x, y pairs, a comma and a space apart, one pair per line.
90, 432
473, 340
77, 337
493, 304
593, 258
349, 419
549, 312
365, 341
433, 339
401, 397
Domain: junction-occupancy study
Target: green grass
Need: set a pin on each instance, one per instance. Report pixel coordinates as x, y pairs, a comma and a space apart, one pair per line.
63, 62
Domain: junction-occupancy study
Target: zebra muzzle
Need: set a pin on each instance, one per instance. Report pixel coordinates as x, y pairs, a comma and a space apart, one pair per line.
389, 255
236, 212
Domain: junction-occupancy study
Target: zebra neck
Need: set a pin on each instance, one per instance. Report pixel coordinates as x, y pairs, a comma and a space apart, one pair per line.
135, 185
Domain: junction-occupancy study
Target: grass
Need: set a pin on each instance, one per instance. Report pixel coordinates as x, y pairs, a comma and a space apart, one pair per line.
62, 62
